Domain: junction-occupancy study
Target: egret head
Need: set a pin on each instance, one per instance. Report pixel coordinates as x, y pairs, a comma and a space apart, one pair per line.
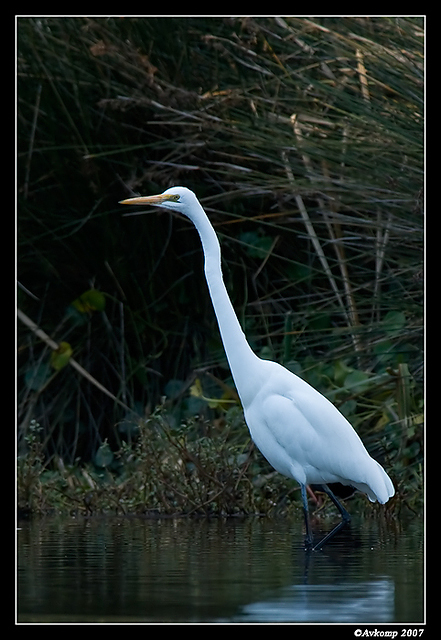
176, 199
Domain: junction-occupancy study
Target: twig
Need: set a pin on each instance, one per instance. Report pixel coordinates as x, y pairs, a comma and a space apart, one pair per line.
312, 234
380, 245
31, 141
361, 69
55, 346
336, 234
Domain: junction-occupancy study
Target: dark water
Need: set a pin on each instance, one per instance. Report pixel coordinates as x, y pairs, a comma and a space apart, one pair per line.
181, 570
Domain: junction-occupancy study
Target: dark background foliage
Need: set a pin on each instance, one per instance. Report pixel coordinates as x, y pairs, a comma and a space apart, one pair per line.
303, 139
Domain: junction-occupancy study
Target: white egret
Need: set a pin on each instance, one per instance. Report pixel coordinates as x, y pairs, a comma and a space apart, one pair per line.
301, 433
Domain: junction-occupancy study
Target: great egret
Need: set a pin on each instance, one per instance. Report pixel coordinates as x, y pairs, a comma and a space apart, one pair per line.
301, 433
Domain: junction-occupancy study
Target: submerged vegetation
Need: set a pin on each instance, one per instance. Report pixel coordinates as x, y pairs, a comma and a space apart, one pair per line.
303, 139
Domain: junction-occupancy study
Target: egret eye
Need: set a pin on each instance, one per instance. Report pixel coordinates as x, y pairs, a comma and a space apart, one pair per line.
174, 197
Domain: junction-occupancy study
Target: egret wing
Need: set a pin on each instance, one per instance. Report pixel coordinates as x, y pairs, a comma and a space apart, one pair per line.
307, 438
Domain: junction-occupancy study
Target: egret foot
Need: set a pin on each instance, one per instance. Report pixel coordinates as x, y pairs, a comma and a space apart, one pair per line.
330, 535
346, 518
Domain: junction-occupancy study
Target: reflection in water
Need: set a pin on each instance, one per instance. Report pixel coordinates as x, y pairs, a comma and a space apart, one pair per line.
351, 602
251, 570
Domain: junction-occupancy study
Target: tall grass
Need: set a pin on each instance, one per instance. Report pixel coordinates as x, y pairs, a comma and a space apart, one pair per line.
303, 139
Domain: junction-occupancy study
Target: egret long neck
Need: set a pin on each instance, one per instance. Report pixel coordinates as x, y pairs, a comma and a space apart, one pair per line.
241, 358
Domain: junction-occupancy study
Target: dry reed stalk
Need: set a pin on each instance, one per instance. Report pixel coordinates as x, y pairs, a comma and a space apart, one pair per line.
350, 309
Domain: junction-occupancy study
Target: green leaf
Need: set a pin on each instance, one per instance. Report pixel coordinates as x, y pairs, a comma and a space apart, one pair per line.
91, 300
174, 388
394, 321
61, 356
341, 371
257, 246
357, 381
384, 351
104, 456
348, 408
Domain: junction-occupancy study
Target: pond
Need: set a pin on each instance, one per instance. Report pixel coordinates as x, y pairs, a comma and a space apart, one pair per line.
251, 570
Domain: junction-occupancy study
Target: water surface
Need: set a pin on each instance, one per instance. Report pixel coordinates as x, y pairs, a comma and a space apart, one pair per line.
233, 570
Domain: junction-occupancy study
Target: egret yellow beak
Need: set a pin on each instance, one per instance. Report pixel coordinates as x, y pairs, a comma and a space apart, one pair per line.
163, 197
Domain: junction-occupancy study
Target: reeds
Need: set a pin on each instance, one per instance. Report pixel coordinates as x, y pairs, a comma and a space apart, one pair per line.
303, 138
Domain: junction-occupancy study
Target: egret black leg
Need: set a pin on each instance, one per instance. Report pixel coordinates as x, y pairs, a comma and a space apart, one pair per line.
308, 540
344, 514
346, 518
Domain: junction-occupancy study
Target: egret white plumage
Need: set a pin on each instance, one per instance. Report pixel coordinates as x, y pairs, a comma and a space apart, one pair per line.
301, 433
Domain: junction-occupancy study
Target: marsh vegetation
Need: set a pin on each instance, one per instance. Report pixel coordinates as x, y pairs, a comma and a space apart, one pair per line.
303, 139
